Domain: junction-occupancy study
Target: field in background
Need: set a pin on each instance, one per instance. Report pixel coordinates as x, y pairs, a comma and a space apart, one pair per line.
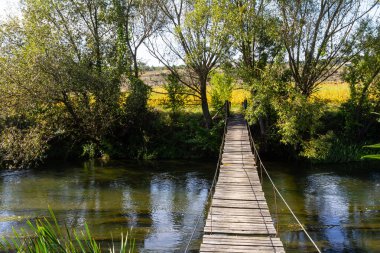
334, 93
158, 98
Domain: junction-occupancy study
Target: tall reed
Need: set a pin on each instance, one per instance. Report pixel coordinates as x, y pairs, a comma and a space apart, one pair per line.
49, 237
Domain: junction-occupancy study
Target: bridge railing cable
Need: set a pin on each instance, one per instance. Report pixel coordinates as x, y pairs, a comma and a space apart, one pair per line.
225, 107
276, 190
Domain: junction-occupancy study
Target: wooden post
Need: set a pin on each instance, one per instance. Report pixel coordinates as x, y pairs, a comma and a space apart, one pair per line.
227, 105
245, 104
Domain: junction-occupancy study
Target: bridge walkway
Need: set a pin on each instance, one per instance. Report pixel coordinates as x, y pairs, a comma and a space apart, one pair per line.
239, 219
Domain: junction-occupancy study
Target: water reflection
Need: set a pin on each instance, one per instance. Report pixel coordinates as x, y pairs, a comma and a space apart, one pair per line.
160, 201
340, 206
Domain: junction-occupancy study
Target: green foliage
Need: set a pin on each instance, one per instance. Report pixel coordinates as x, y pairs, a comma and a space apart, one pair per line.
186, 138
221, 89
363, 75
329, 148
21, 148
318, 148
131, 133
136, 105
54, 75
374, 146
47, 236
298, 118
176, 95
89, 150
371, 157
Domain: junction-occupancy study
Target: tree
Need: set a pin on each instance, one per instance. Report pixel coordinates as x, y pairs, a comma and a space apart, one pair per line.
319, 37
136, 20
363, 76
221, 89
196, 34
255, 32
55, 60
255, 35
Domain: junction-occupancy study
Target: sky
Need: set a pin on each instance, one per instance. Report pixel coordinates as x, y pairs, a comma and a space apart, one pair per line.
8, 7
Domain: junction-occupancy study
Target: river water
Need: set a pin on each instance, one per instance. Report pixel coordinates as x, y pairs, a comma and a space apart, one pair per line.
338, 204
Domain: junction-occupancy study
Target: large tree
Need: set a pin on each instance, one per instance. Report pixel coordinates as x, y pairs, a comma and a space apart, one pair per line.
363, 76
255, 36
319, 36
136, 21
256, 41
196, 34
56, 58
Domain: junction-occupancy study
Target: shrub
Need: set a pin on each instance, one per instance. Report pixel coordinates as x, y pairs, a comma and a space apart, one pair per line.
221, 89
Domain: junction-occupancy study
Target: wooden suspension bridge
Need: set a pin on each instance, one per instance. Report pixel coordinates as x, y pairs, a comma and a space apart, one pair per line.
239, 219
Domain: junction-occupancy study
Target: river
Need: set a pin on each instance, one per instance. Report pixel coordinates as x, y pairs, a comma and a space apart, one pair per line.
160, 202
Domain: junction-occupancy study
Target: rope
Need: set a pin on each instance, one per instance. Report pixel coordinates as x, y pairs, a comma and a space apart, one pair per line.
212, 185
278, 192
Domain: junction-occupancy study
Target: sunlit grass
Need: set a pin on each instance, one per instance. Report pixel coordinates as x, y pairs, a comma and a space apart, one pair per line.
158, 98
334, 93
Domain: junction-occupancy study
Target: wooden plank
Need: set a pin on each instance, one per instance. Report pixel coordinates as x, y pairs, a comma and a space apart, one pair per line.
239, 212
240, 219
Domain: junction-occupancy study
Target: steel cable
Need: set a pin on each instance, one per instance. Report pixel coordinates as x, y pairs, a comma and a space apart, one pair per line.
278, 192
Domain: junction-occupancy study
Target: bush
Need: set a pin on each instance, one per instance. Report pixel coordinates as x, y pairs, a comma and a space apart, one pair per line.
22, 148
330, 148
176, 96
221, 89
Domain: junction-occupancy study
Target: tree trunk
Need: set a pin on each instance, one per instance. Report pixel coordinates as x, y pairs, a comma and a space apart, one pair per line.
135, 65
205, 109
262, 126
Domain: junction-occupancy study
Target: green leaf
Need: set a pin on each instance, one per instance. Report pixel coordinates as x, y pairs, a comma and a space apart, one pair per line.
371, 157
372, 146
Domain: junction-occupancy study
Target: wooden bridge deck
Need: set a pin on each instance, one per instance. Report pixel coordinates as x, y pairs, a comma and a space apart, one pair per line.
239, 218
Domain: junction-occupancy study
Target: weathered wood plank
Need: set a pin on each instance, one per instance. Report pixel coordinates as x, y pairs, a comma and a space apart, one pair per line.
239, 219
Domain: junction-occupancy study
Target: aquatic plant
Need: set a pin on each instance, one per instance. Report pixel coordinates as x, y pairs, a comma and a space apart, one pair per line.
47, 237
372, 156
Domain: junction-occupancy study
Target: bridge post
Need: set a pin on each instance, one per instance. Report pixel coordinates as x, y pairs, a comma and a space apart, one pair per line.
245, 104
227, 105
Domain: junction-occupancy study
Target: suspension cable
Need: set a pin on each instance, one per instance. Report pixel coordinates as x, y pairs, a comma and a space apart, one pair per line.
276, 189
213, 181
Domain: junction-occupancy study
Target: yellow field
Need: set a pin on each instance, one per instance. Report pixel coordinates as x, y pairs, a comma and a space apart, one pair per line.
157, 98
334, 93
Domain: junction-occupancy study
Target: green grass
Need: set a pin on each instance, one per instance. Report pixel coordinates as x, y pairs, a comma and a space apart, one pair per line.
371, 157
47, 236
376, 146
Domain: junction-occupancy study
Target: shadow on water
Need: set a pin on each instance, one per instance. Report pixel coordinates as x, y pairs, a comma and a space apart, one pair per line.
160, 201
338, 204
